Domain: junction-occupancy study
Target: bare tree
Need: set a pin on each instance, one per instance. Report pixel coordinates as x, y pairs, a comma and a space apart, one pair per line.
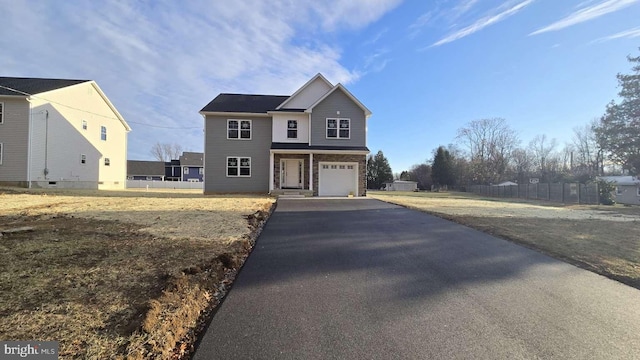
588, 155
166, 151
489, 143
542, 150
522, 161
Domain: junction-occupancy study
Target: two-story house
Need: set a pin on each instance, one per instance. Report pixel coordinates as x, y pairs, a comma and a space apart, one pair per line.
60, 133
192, 166
313, 142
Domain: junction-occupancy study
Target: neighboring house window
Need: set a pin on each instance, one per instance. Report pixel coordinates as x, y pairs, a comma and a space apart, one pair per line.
103, 133
185, 170
1, 150
1, 113
238, 166
149, 178
338, 128
1, 163
107, 162
292, 129
129, 177
83, 159
239, 129
84, 124
201, 171
618, 190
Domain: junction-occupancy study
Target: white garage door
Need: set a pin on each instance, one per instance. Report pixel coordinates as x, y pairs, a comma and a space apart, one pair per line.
337, 179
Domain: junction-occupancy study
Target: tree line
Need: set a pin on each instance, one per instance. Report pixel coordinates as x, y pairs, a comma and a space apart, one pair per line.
489, 151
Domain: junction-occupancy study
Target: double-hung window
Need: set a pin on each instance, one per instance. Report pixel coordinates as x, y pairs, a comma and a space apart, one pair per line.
238, 166
103, 133
84, 124
239, 129
338, 128
292, 129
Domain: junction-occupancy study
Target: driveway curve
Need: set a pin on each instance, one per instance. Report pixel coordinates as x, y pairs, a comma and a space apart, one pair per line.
363, 279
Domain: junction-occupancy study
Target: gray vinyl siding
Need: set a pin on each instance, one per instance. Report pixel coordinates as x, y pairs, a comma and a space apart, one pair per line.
217, 147
338, 101
14, 136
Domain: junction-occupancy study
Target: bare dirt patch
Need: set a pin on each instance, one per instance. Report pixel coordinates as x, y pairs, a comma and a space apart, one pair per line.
119, 274
603, 239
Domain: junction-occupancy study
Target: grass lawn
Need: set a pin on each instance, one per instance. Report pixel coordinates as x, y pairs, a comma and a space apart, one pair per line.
603, 239
119, 274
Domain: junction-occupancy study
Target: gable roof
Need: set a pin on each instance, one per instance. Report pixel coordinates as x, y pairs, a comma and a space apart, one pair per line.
146, 168
306, 85
367, 112
17, 86
191, 159
244, 103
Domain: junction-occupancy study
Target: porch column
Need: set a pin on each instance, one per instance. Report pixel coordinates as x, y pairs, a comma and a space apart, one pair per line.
270, 171
311, 172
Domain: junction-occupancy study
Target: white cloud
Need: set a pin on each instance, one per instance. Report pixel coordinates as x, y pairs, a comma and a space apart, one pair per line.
161, 62
482, 23
630, 33
586, 14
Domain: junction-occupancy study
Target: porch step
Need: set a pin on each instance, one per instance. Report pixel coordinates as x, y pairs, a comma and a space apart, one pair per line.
291, 196
291, 193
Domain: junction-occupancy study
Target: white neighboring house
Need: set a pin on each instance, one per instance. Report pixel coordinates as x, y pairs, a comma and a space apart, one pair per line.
627, 188
60, 133
401, 185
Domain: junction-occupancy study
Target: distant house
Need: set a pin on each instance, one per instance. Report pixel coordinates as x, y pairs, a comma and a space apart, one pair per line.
192, 166
189, 167
400, 185
145, 170
627, 189
60, 133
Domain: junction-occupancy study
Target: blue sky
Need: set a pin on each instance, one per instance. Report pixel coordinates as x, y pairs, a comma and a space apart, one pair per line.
424, 68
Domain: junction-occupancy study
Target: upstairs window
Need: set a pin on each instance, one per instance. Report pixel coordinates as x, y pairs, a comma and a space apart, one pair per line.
238, 166
107, 162
338, 128
1, 113
103, 133
292, 129
84, 124
83, 159
239, 129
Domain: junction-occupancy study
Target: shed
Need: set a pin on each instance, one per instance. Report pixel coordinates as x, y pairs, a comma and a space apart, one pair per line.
627, 188
401, 185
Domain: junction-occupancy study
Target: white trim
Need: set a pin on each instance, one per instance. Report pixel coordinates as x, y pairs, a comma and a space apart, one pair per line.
226, 166
2, 111
337, 137
1, 152
227, 114
311, 171
367, 112
271, 172
318, 76
240, 129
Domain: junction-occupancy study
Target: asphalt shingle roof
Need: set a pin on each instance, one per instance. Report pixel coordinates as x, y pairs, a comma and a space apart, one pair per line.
191, 159
33, 85
245, 103
146, 168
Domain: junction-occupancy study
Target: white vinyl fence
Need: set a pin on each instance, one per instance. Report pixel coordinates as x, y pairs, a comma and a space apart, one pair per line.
143, 184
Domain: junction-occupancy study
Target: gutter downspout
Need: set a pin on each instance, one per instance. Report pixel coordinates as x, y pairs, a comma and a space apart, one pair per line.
46, 144
29, 152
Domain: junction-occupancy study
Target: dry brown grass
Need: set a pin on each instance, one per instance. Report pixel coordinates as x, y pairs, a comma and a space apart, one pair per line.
603, 239
119, 274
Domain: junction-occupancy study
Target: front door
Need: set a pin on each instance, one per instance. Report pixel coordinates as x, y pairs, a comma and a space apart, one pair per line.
292, 173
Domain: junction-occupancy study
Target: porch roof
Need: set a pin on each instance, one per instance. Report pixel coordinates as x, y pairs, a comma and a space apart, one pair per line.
307, 147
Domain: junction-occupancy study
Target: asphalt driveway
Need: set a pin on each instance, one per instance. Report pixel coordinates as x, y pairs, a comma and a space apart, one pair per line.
362, 279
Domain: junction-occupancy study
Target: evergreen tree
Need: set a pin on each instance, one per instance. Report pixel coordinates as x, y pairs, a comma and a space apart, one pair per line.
378, 171
618, 132
442, 168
